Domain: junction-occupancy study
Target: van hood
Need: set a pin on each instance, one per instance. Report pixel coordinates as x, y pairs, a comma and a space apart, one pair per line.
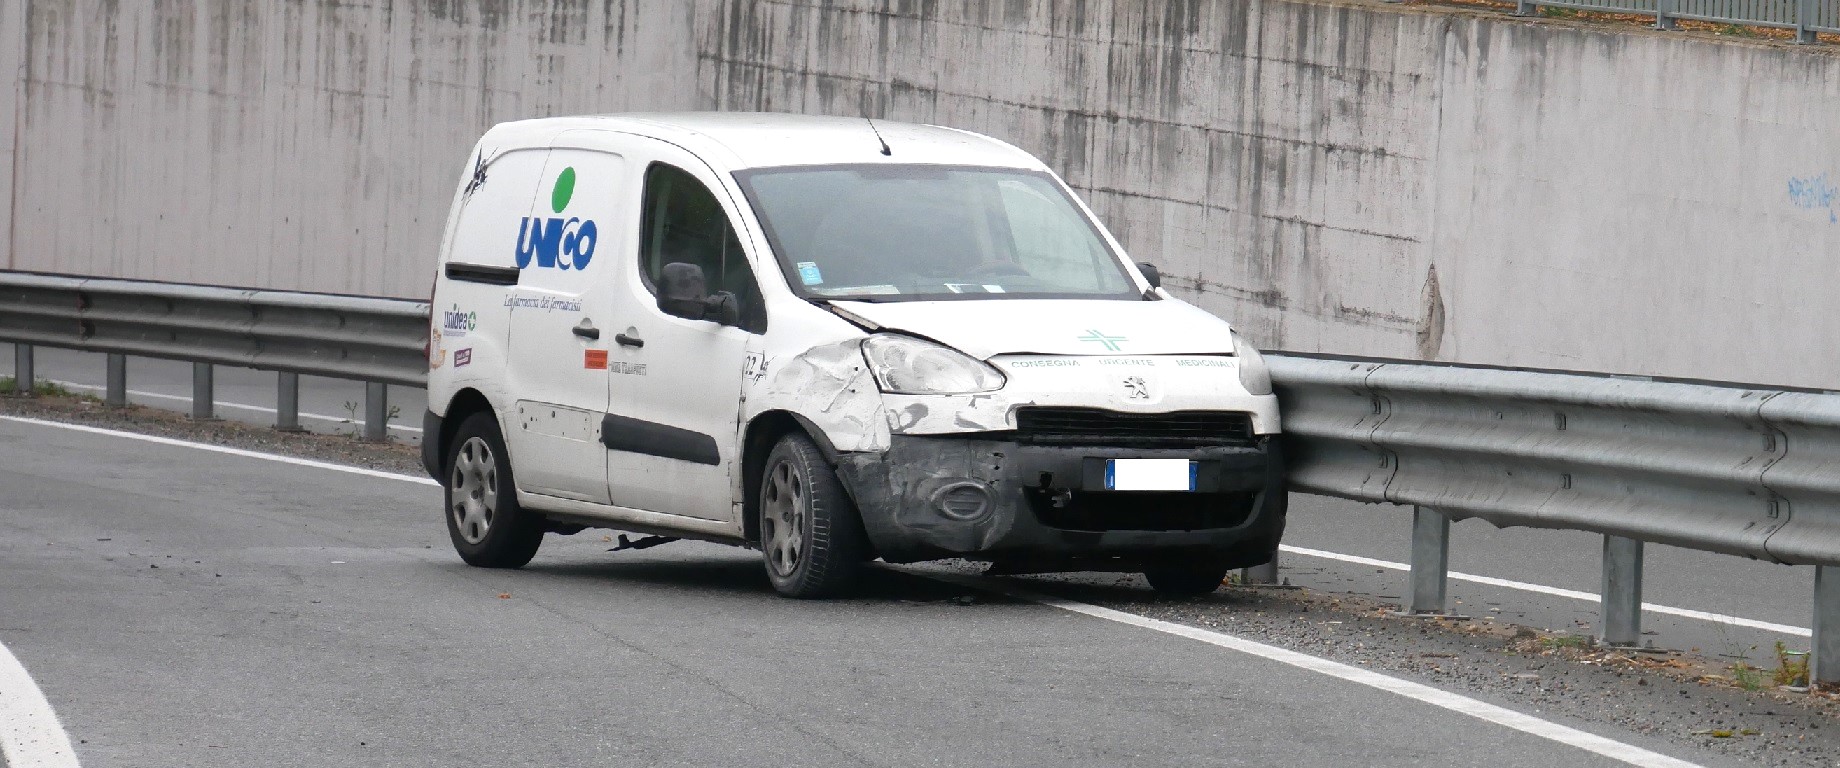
984, 328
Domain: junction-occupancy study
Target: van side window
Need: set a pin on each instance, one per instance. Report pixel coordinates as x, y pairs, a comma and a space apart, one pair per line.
683, 223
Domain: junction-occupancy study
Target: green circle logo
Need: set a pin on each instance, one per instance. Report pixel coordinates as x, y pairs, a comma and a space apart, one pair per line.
565, 189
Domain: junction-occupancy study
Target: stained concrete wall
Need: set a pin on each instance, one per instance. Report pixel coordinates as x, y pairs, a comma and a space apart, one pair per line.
298, 143
1335, 176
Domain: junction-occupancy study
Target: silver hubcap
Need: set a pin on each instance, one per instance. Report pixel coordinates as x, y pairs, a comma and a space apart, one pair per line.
782, 519
475, 490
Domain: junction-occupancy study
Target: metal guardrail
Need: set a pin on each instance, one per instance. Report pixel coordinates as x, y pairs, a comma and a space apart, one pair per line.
375, 340
1745, 471
1732, 469
1806, 17
1729, 469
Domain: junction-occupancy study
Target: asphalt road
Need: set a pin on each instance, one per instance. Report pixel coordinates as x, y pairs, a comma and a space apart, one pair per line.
183, 608
1560, 559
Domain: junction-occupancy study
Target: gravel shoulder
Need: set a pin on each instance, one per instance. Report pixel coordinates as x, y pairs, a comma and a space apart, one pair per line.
1682, 698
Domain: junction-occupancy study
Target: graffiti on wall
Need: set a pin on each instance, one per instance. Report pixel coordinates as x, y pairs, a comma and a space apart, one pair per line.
1815, 193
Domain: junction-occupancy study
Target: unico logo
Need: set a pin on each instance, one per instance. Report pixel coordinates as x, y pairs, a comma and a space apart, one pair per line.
557, 242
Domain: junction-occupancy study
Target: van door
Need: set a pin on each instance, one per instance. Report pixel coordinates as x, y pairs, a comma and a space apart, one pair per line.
676, 383
561, 323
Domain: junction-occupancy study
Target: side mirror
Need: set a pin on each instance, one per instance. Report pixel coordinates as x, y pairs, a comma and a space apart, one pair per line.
722, 308
683, 292
1152, 275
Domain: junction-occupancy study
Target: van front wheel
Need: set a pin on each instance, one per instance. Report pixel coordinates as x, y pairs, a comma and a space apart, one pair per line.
810, 534
487, 526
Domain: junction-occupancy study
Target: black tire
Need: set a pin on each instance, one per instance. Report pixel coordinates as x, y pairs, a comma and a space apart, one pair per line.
1186, 580
487, 526
811, 537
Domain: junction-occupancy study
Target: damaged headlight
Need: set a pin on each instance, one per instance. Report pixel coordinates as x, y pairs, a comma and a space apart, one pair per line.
905, 365
1252, 371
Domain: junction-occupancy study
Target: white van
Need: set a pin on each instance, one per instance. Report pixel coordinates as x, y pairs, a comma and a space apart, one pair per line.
835, 341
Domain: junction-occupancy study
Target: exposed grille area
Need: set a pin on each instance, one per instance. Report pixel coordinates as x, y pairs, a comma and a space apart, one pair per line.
1094, 426
1140, 511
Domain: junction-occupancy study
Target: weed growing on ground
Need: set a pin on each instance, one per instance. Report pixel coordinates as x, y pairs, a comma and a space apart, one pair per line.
1791, 667
1565, 641
10, 386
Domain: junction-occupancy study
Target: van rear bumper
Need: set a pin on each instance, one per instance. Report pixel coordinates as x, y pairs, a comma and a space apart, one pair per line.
1045, 507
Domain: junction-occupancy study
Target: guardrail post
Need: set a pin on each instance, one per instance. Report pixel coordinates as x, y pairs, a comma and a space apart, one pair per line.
1825, 669
1621, 614
115, 394
24, 380
1664, 14
1261, 574
1425, 590
376, 411
204, 398
1527, 8
1804, 22
287, 402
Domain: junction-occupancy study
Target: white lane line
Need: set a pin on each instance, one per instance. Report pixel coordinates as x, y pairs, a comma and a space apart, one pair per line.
1688, 613
224, 449
30, 736
1545, 729
222, 404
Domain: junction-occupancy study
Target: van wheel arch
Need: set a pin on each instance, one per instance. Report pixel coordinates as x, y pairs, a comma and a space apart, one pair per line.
465, 403
762, 434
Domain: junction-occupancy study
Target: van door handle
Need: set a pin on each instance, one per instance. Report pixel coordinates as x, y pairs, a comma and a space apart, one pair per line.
586, 331
628, 341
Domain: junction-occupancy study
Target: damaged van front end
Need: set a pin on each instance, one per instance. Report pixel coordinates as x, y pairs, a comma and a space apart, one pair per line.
1022, 459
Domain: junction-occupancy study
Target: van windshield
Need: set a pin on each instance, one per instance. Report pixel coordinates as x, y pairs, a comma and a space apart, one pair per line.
929, 232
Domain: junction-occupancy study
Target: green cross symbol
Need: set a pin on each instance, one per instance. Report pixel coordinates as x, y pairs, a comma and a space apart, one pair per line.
1110, 342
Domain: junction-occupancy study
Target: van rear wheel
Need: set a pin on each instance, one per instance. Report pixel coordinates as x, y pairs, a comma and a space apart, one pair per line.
811, 536
488, 528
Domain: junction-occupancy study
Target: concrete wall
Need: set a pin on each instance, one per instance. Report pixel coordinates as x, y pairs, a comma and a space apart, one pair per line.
298, 143
1339, 177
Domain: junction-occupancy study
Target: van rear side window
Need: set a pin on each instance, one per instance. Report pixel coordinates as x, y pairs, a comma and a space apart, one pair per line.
683, 223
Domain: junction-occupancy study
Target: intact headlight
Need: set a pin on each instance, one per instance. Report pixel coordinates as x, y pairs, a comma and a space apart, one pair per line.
905, 365
1252, 371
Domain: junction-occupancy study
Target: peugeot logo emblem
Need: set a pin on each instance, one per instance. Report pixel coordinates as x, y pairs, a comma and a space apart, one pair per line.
1135, 388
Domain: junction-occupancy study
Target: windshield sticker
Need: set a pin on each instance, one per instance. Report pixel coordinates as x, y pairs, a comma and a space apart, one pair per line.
809, 274
557, 243
878, 290
1112, 343
993, 289
973, 288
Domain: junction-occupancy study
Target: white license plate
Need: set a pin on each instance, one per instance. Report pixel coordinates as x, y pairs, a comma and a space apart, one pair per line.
1149, 475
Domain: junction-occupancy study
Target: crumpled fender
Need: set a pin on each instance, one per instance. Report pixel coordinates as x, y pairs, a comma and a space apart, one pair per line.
830, 387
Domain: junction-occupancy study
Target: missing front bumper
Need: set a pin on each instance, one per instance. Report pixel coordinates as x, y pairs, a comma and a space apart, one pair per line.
937, 497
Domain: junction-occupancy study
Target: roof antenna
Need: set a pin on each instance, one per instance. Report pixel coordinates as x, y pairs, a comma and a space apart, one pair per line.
886, 152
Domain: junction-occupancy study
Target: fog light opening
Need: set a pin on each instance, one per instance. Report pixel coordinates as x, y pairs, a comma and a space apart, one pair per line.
962, 501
